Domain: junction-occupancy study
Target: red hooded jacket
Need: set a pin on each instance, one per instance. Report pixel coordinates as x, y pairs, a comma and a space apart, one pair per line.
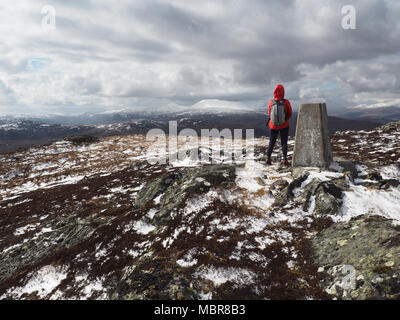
279, 94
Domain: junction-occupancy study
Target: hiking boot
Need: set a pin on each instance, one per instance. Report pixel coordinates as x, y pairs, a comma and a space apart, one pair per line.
268, 162
285, 163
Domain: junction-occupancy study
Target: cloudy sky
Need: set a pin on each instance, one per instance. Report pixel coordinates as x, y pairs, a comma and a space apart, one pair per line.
155, 54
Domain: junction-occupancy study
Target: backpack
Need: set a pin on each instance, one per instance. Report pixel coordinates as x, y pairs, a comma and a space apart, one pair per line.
278, 114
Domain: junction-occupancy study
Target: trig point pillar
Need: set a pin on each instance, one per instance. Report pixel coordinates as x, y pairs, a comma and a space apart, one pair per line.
312, 143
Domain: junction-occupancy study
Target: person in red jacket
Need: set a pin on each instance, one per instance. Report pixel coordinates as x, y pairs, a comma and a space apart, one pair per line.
282, 130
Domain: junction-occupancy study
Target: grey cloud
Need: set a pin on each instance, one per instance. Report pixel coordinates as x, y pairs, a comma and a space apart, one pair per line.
191, 77
247, 48
14, 66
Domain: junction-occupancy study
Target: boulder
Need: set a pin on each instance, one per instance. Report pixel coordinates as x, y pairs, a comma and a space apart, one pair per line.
361, 258
328, 196
349, 167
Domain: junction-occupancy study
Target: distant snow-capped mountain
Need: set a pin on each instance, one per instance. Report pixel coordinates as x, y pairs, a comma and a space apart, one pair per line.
219, 106
207, 106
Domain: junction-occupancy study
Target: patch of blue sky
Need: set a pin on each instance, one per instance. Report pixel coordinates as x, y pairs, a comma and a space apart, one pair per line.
37, 64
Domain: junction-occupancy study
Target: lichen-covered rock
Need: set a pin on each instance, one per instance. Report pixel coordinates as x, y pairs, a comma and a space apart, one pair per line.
279, 185
175, 188
286, 194
64, 232
327, 195
155, 188
155, 278
328, 198
361, 258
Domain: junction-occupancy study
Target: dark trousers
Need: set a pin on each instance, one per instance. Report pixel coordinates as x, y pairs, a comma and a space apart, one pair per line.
273, 135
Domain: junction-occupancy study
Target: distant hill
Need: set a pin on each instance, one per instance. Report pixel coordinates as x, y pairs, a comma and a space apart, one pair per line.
379, 114
20, 134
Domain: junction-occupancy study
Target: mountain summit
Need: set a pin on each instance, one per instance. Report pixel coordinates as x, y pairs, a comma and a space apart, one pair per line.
96, 220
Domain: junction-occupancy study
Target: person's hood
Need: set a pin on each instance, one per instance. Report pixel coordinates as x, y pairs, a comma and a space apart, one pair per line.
279, 92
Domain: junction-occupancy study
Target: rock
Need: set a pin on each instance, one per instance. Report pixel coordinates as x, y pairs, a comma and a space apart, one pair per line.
286, 194
327, 195
341, 183
176, 187
64, 232
155, 278
328, 198
386, 184
348, 167
368, 247
156, 187
391, 126
374, 175
260, 181
298, 172
383, 184
279, 185
82, 139
282, 169
309, 190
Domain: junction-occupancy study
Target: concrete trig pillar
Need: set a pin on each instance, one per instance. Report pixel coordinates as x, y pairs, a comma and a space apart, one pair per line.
312, 143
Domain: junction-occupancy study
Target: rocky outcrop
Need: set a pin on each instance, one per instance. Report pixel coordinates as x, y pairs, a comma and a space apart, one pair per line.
174, 188
286, 195
279, 185
63, 232
374, 180
348, 167
158, 278
391, 126
361, 258
327, 195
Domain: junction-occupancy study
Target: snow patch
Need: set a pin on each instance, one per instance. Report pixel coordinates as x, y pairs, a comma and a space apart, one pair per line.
43, 282
142, 227
362, 200
221, 275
